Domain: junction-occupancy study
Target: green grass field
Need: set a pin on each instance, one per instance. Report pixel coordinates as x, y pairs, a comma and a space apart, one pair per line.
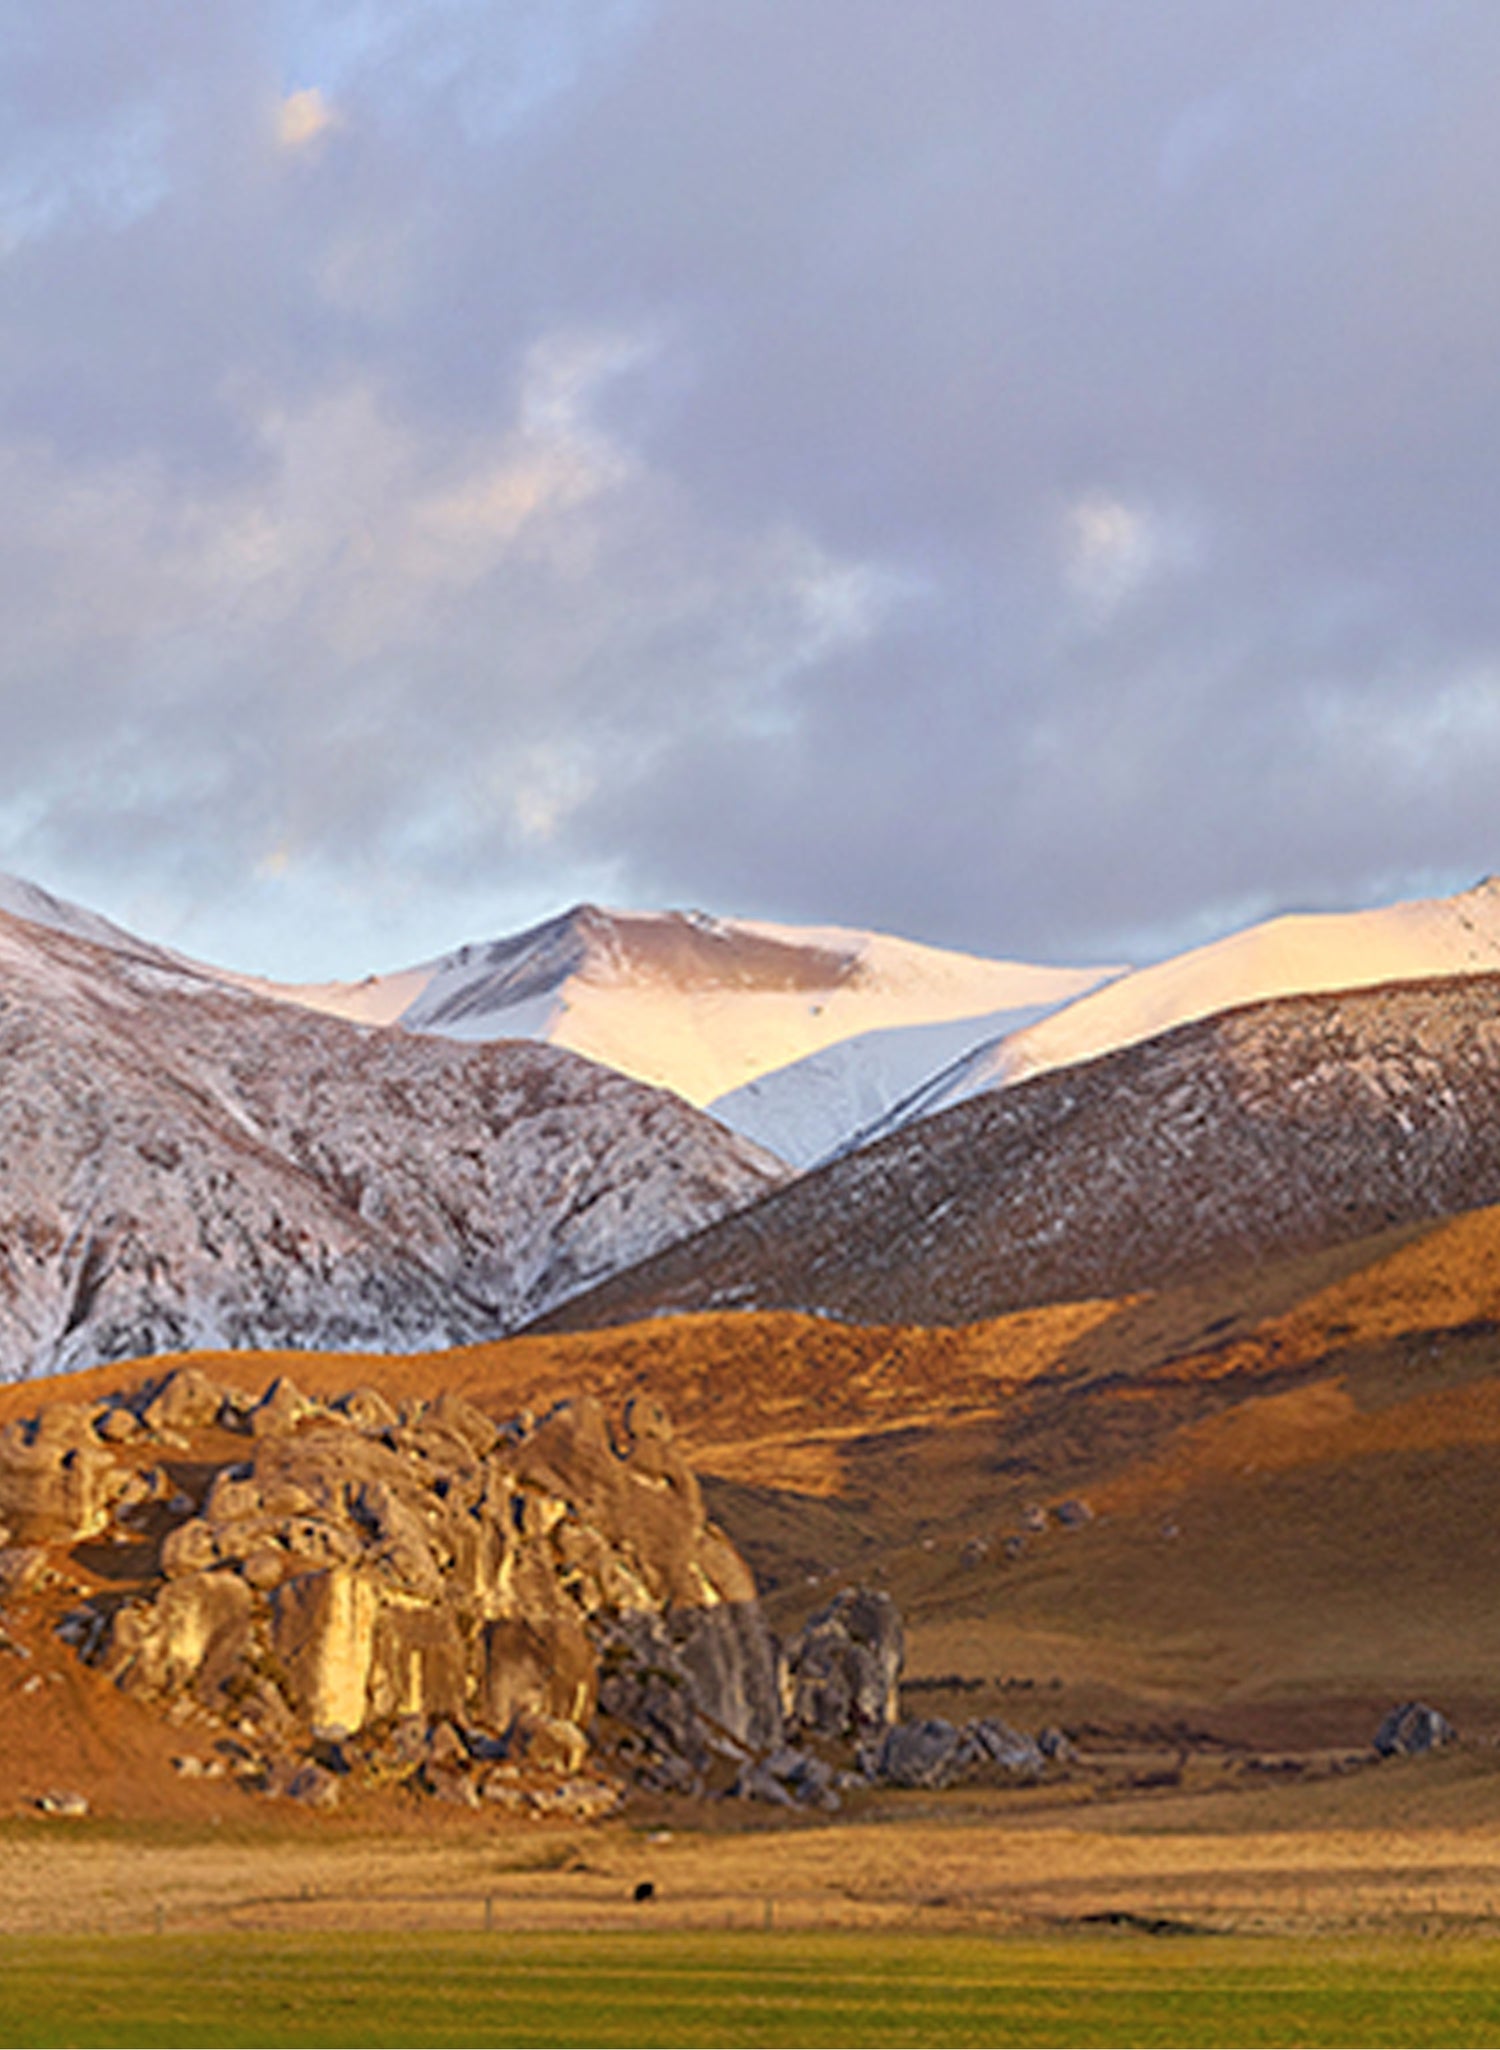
747, 1989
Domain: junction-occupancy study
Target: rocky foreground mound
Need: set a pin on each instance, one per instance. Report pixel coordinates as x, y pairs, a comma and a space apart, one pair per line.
343, 1595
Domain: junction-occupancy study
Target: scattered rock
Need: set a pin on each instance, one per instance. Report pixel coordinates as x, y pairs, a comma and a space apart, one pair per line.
21, 1569
56, 1479
67, 1804
1412, 1730
314, 1787
1073, 1513
280, 1409
789, 1778
547, 1742
191, 1548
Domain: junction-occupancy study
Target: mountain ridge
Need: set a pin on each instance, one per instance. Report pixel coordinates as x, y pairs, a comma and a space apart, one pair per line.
1267, 1129
1294, 953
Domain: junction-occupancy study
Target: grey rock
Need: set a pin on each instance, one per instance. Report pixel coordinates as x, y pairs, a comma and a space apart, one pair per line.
688, 1679
992, 1742
756, 1784
840, 1675
1412, 1730
932, 1753
929, 1752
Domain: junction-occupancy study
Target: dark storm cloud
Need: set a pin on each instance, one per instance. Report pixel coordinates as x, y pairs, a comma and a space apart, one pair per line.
1024, 476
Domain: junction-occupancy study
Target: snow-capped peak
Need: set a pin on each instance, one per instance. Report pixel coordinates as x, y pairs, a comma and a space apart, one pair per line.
1294, 955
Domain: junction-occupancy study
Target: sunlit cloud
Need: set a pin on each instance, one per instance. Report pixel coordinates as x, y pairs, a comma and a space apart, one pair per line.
1113, 548
303, 117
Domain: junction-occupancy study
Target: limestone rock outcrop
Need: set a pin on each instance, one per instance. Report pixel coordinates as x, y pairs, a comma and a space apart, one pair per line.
840, 1675
423, 1593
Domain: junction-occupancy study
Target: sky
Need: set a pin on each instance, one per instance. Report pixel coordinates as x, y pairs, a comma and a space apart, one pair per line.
1020, 474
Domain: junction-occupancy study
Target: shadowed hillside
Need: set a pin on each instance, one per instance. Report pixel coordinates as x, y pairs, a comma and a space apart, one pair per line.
1273, 1130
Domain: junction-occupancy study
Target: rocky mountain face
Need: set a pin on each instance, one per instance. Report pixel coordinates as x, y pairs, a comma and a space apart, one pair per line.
1276, 1128
187, 1165
1294, 955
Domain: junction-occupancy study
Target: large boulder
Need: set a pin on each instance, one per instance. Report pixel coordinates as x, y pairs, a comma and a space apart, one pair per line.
323, 1634
185, 1401
56, 1479
932, 1753
841, 1674
191, 1639
538, 1665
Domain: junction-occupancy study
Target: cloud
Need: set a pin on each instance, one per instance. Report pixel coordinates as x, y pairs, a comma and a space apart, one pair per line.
1020, 475
1112, 551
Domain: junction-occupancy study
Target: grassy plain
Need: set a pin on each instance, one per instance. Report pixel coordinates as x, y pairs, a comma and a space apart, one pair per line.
794, 1988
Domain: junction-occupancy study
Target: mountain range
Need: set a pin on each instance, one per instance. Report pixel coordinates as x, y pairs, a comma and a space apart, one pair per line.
447, 1153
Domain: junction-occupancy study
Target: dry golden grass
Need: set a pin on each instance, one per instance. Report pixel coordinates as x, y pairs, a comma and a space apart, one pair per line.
1292, 1473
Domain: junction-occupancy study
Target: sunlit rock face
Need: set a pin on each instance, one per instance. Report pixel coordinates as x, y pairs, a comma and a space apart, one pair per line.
302, 1573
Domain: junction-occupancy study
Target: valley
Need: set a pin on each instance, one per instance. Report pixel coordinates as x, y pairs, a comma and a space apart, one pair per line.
1157, 1394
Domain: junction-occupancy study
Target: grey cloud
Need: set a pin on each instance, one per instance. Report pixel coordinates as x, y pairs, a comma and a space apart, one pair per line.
1019, 475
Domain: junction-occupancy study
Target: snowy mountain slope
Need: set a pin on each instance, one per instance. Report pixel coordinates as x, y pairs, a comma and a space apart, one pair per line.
185, 1164
820, 1105
694, 1004
1283, 957
1283, 1127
